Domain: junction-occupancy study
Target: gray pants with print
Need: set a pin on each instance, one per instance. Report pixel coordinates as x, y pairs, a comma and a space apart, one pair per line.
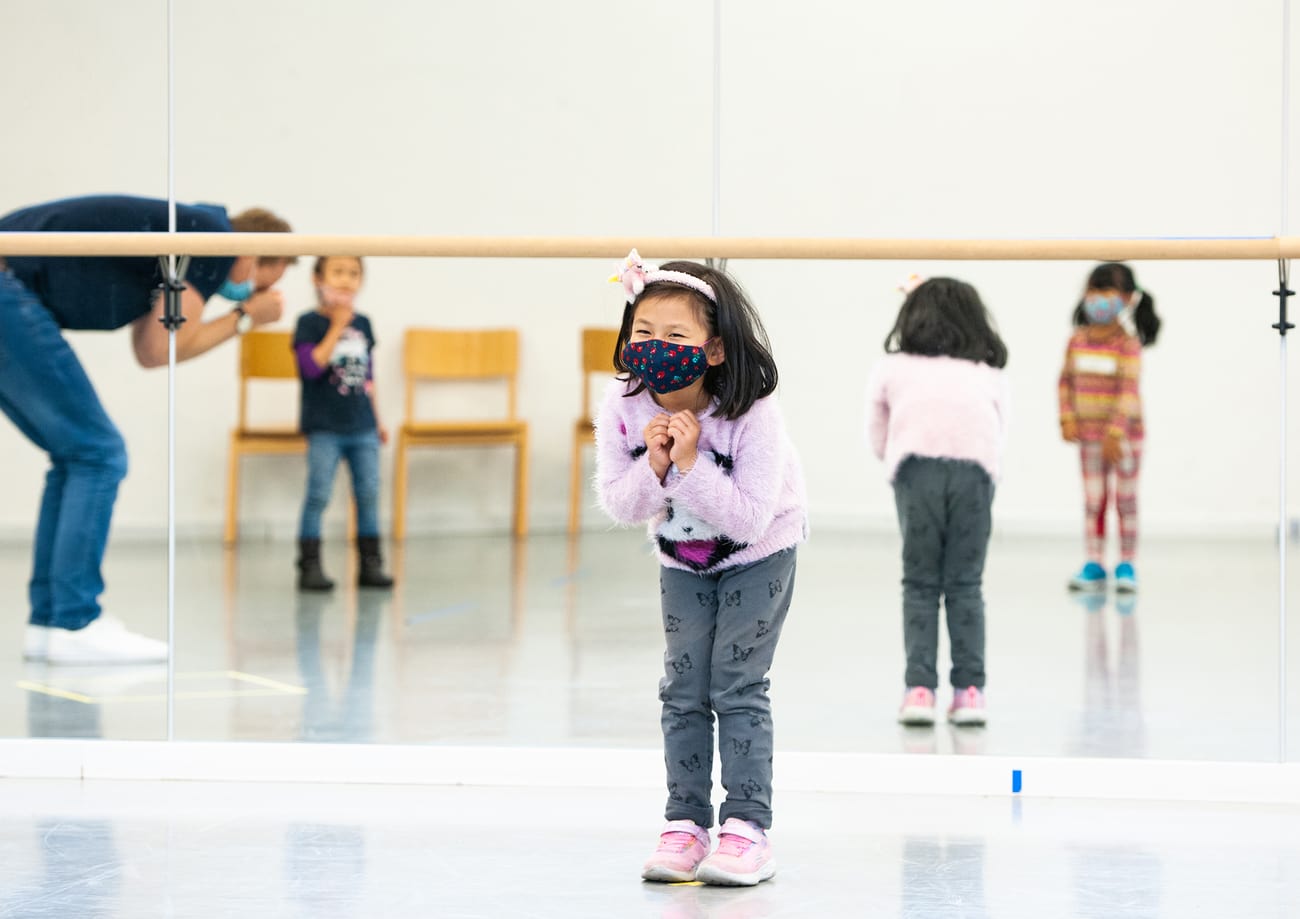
721, 633
945, 510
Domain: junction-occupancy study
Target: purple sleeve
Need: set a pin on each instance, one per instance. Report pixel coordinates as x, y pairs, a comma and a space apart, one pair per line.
307, 365
628, 489
741, 503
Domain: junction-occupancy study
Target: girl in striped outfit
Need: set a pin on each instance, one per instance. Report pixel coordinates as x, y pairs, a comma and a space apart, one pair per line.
1101, 411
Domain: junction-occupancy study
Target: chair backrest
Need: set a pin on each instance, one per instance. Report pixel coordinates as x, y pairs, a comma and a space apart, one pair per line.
264, 355
597, 357
460, 354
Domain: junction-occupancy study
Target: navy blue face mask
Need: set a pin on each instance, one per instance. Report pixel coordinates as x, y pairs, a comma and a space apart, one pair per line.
665, 367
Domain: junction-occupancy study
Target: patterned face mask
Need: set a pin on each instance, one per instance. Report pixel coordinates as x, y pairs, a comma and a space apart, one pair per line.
1102, 310
665, 367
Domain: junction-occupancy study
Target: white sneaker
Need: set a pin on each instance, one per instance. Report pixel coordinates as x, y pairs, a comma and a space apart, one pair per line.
104, 641
36, 643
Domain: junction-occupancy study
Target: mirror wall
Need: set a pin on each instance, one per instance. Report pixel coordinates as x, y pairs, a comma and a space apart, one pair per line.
72, 129
599, 120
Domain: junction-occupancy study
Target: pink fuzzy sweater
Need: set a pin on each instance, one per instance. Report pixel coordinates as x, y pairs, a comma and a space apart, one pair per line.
938, 407
742, 501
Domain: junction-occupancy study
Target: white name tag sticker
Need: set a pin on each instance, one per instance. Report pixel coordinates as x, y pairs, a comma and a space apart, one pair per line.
1106, 364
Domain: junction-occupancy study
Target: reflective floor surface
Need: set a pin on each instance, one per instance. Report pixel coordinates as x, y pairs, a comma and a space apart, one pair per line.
552, 643
138, 849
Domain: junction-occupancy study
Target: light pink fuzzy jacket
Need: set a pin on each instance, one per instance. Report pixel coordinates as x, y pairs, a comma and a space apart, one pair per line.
742, 501
938, 407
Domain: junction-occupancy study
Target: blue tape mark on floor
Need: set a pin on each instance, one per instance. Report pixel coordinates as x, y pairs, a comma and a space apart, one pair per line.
1015, 781
442, 612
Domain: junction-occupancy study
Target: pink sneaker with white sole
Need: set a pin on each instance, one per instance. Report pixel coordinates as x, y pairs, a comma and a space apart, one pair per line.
968, 706
682, 846
918, 707
743, 857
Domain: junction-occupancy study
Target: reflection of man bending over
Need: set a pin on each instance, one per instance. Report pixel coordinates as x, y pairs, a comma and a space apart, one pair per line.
46, 393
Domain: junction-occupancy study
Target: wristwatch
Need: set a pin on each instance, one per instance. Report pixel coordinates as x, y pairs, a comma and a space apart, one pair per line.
244, 322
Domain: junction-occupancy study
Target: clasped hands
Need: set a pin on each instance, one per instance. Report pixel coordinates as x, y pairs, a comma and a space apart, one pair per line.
671, 440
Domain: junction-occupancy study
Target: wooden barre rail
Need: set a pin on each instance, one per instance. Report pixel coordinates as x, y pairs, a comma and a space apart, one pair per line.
736, 247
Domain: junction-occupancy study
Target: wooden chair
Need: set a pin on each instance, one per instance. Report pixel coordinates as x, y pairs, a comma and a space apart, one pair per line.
597, 357
263, 355
442, 355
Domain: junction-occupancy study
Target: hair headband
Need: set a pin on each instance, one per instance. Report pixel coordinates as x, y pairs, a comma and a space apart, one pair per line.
912, 283
635, 274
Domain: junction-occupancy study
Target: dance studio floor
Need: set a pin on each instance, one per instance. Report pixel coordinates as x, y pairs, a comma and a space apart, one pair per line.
140, 849
552, 643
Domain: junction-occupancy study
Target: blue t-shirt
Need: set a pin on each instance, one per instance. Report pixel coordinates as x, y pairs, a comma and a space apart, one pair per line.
109, 292
338, 400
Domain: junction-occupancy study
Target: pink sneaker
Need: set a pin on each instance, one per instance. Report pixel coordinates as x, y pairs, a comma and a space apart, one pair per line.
743, 857
918, 706
682, 846
967, 706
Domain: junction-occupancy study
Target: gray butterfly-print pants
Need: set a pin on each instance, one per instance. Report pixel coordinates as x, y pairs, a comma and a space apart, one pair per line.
945, 511
721, 631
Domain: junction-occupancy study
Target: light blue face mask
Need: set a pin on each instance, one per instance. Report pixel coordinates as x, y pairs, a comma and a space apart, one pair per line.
237, 291
1102, 310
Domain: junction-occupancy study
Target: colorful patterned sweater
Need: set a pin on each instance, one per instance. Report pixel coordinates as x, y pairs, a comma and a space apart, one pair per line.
742, 501
937, 407
1099, 385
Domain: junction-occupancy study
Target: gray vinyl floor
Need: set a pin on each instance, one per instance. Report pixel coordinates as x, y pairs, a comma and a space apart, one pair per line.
139, 849
552, 643
556, 643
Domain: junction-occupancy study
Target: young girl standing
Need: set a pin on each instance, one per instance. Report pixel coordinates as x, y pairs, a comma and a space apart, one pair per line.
1101, 411
333, 345
690, 441
937, 416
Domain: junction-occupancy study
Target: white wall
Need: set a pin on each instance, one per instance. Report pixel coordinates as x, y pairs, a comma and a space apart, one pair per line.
1019, 119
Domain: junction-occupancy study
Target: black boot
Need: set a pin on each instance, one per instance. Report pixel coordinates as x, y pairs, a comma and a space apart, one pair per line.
310, 575
372, 563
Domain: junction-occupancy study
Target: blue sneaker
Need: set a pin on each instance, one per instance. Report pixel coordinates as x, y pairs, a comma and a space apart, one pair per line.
1091, 577
1126, 580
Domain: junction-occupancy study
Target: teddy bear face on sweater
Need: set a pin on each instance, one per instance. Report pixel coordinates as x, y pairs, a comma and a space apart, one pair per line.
694, 542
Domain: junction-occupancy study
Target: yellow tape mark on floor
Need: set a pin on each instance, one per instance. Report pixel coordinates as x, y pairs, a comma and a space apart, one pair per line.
269, 688
203, 694
57, 693
268, 683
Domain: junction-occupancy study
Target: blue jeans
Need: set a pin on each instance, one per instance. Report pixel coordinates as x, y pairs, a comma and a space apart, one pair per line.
324, 450
47, 395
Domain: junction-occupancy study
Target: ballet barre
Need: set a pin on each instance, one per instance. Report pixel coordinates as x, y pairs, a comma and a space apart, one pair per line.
273, 245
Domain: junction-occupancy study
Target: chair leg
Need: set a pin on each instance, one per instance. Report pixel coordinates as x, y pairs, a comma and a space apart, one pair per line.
575, 484
521, 486
231, 535
399, 487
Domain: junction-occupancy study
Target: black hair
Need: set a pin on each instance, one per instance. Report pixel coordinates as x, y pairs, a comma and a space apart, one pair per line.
1118, 276
748, 370
944, 317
